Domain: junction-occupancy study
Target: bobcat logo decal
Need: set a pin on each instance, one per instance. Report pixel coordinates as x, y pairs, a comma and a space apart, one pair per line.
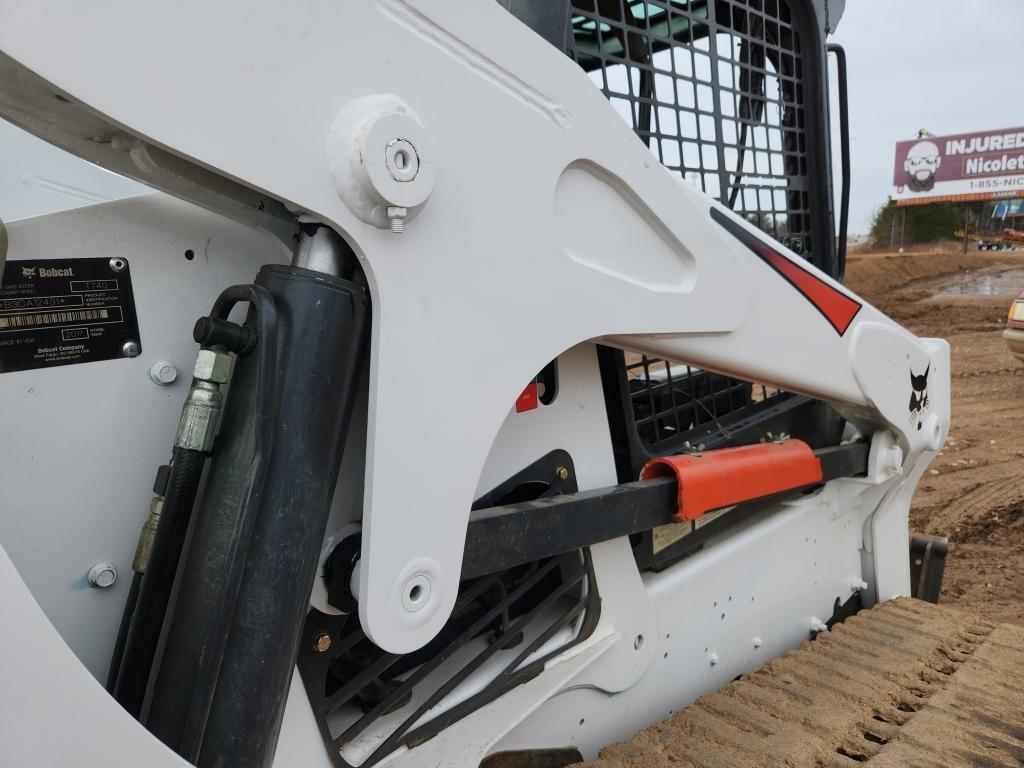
918, 395
28, 271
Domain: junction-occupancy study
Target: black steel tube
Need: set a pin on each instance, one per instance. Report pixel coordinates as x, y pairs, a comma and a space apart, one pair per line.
503, 537
844, 156
234, 636
155, 591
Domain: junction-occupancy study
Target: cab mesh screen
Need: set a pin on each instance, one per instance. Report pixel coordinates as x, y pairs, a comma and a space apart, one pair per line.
714, 90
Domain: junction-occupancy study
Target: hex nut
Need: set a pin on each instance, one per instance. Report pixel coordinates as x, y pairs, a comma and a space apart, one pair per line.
322, 642
213, 366
163, 373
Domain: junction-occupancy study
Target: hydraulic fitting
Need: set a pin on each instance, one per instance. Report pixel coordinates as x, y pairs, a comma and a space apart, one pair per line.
216, 332
212, 366
200, 416
148, 532
146, 535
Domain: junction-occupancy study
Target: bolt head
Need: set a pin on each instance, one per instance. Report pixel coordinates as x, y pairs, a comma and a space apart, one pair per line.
163, 373
322, 642
131, 349
102, 575
562, 473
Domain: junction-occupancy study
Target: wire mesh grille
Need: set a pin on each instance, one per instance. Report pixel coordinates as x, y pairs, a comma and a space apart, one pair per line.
714, 89
671, 400
507, 625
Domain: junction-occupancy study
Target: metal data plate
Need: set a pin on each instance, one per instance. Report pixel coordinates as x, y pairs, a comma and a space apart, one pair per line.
66, 311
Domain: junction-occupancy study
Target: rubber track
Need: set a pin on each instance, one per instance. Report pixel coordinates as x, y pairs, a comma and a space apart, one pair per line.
904, 684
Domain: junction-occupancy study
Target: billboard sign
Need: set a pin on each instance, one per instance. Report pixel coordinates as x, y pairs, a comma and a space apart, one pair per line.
988, 165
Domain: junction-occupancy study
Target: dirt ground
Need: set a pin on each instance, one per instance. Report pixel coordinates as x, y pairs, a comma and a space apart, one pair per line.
974, 491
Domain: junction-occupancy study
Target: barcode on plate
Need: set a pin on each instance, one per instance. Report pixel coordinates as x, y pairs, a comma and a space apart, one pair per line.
50, 318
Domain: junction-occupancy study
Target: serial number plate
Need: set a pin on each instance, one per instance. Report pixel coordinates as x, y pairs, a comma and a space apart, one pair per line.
66, 311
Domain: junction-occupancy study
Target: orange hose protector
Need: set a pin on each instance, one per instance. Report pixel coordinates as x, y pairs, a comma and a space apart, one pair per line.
720, 478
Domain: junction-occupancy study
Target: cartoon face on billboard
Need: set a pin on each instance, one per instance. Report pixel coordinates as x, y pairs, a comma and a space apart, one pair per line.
921, 164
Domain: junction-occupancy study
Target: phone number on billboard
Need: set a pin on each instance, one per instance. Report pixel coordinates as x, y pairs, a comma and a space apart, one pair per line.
1001, 183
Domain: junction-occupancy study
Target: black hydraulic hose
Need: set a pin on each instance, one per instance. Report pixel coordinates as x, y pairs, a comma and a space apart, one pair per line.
205, 679
122, 631
752, 101
740, 157
844, 156
146, 608
143, 633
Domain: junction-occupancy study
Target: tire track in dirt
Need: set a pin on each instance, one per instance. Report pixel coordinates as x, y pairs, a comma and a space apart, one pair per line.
904, 683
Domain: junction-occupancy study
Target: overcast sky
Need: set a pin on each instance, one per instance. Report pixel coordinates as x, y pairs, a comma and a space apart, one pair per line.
950, 67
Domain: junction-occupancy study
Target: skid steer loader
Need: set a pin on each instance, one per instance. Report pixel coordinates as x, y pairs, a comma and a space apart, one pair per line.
479, 377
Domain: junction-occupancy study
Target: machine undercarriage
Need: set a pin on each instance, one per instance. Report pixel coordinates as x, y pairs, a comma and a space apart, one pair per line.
366, 542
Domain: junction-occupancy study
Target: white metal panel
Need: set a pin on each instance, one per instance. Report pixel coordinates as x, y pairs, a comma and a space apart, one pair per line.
52, 712
576, 421
80, 444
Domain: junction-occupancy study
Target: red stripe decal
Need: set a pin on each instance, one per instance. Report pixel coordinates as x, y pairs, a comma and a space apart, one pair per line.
528, 400
838, 308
